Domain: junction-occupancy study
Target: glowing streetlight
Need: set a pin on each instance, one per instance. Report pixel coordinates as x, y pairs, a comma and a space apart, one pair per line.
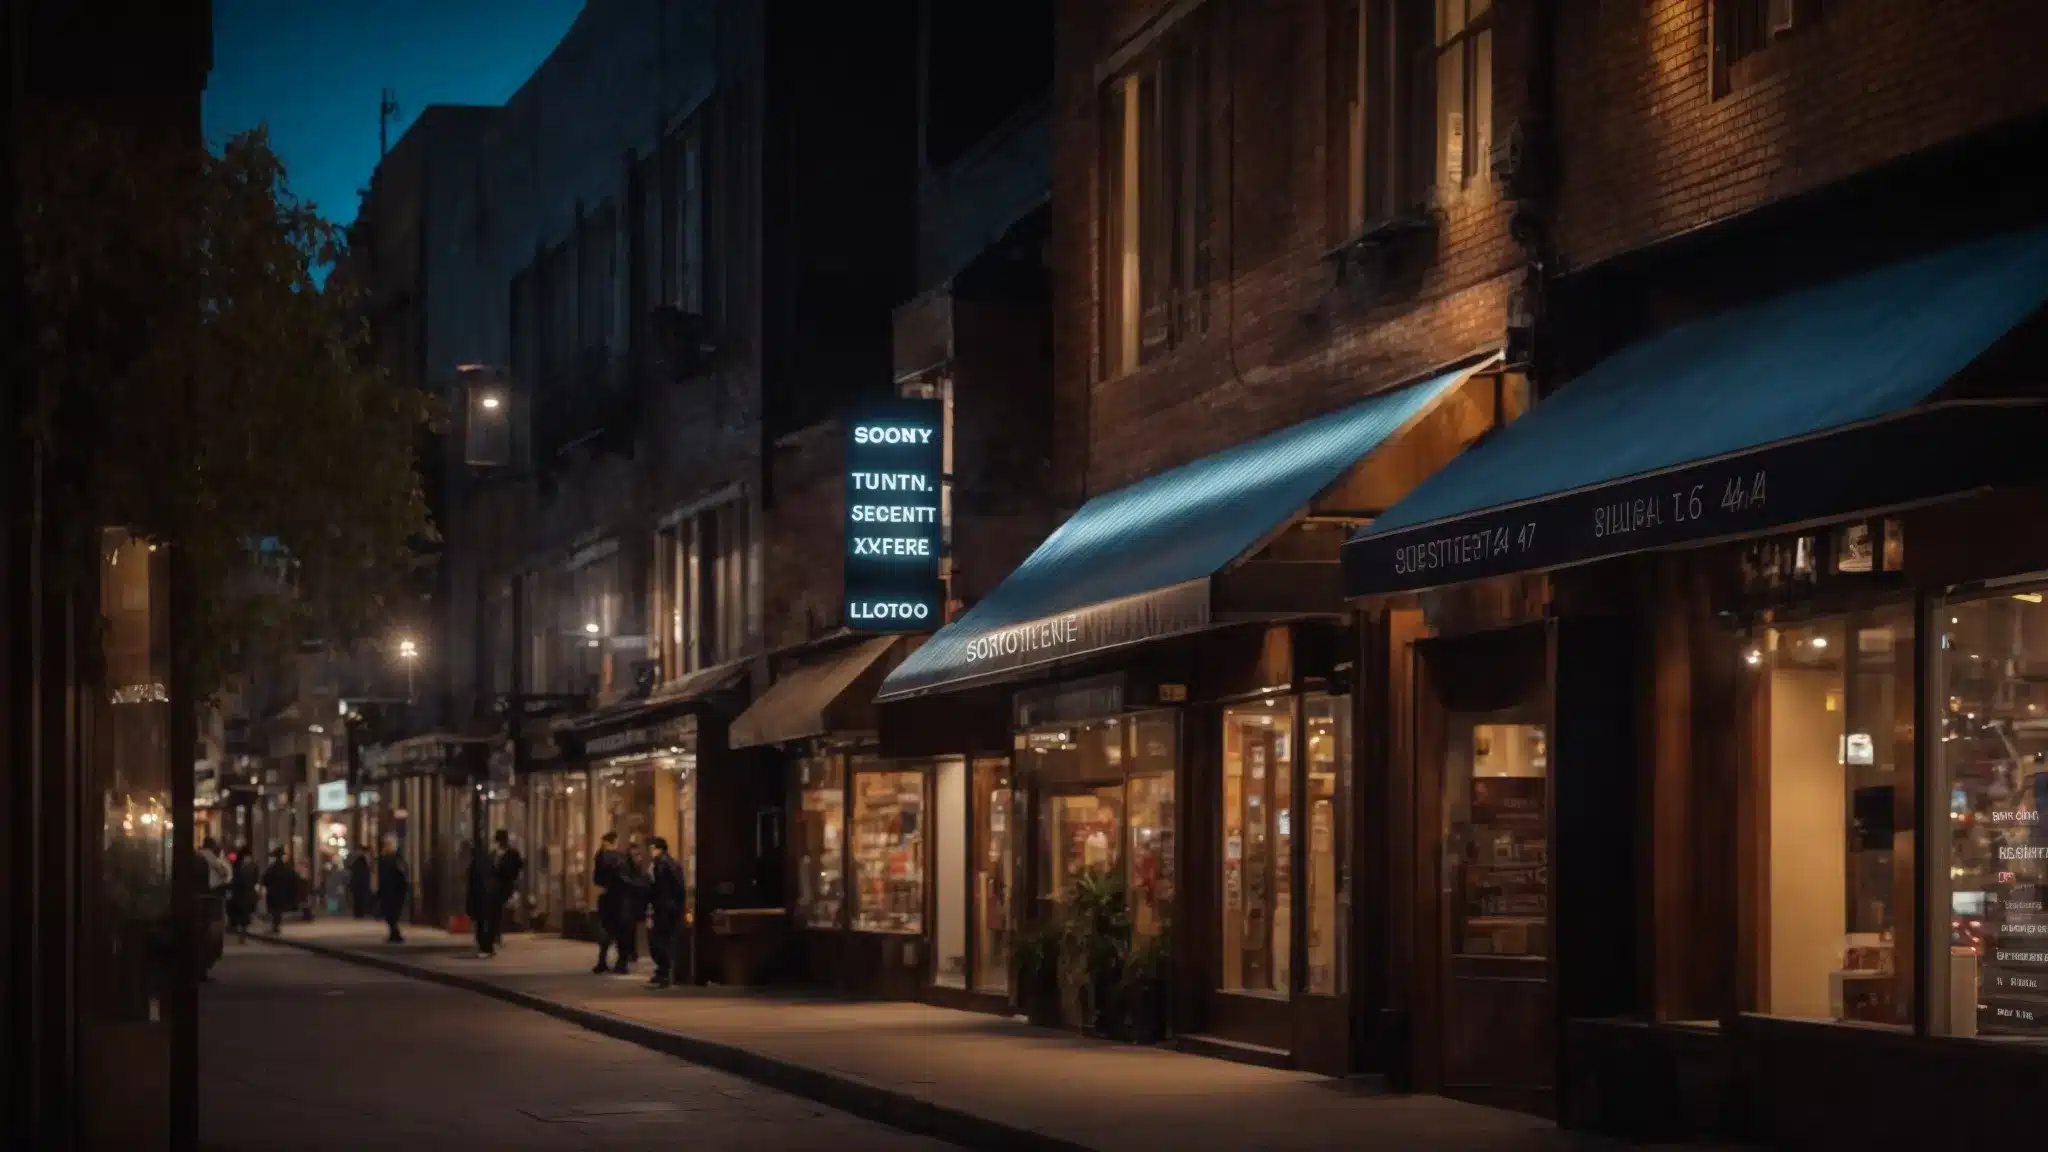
490, 403
409, 652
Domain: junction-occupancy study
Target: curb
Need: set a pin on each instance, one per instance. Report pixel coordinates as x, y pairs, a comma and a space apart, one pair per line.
851, 1094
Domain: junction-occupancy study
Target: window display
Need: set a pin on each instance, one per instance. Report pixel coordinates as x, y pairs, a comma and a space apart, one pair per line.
1992, 766
680, 771
573, 808
1328, 883
995, 819
949, 864
820, 840
1497, 838
1257, 827
1083, 833
1837, 829
625, 801
888, 850
1151, 853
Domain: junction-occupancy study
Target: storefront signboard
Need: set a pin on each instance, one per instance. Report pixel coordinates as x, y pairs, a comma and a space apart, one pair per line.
895, 530
1919, 456
644, 738
334, 796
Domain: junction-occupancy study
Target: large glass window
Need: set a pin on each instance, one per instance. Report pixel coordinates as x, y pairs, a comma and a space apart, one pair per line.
888, 850
949, 946
1258, 815
1083, 833
1990, 697
576, 860
820, 840
1835, 819
1497, 837
1327, 886
995, 861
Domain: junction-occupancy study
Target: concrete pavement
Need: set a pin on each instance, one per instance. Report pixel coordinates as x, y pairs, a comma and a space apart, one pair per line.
973, 1079
307, 1052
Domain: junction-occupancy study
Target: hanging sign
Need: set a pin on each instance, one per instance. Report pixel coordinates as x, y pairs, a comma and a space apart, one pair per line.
895, 530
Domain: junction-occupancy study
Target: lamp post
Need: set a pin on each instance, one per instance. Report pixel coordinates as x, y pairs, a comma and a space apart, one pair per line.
409, 652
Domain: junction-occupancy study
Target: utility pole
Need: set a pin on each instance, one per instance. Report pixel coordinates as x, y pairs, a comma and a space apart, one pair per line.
387, 111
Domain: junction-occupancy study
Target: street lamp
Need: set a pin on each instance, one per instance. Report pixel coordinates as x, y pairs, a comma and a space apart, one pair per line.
410, 653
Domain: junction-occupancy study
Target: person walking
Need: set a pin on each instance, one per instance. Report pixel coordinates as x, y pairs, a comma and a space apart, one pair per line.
359, 883
220, 875
666, 897
394, 889
242, 893
280, 889
504, 885
478, 903
606, 872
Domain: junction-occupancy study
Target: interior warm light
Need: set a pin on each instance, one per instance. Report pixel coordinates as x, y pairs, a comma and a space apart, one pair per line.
1820, 641
591, 628
491, 402
1753, 656
2029, 597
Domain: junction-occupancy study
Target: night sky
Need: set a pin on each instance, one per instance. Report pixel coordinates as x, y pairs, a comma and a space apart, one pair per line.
312, 70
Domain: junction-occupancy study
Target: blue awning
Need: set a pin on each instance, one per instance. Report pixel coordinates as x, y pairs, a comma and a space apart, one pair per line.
1806, 407
1134, 564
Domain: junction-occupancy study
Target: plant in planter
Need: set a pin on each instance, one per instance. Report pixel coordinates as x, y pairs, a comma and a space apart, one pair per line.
1095, 944
1038, 972
1144, 988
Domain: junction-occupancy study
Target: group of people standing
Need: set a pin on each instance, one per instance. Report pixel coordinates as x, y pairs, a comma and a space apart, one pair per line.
632, 886
234, 880
392, 893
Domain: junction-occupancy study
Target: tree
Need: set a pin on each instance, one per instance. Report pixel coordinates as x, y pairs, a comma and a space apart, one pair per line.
193, 381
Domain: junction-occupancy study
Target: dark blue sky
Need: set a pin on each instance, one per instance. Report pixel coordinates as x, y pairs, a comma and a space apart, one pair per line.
312, 70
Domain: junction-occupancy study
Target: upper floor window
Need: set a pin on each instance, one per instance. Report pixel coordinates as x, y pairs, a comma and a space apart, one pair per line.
700, 588
589, 615
684, 279
1743, 28
1156, 208
1414, 86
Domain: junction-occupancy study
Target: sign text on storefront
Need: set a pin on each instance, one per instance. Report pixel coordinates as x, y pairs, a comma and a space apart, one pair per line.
895, 513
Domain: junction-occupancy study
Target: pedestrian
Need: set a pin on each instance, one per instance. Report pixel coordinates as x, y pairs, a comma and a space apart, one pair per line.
666, 897
394, 889
220, 875
505, 885
633, 885
242, 893
605, 872
280, 889
359, 883
478, 903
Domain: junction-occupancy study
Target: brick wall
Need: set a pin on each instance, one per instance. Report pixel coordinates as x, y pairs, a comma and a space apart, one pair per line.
1287, 340
803, 548
1649, 150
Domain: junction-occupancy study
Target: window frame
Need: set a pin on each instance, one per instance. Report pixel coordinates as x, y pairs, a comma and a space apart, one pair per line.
1157, 203
1475, 162
702, 563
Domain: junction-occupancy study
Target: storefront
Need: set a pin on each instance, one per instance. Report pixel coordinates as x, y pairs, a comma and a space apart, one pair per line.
1719, 808
655, 768
858, 856
554, 837
1153, 713
424, 787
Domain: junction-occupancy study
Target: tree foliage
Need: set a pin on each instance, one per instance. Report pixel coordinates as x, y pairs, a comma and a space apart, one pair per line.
194, 381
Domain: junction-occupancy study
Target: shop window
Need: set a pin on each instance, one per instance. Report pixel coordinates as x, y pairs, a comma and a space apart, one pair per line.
1258, 814
1987, 889
1327, 886
949, 943
820, 840
1497, 838
1151, 853
1156, 212
573, 815
995, 820
1083, 834
888, 850
1833, 822
625, 802
681, 770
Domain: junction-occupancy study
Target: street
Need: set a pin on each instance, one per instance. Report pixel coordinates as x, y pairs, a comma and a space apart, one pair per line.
300, 1051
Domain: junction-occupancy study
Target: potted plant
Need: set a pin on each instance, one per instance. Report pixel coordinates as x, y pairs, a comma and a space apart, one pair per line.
1038, 973
1095, 943
1144, 989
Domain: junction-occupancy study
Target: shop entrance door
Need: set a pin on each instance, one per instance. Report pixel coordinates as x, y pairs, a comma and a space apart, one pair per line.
1497, 1006
1082, 835
1485, 999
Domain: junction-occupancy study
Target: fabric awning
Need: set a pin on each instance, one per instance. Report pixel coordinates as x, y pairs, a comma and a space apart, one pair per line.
1814, 406
828, 693
634, 726
1136, 564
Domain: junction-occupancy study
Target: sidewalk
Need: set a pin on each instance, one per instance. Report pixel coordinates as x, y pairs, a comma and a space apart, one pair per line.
973, 1079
